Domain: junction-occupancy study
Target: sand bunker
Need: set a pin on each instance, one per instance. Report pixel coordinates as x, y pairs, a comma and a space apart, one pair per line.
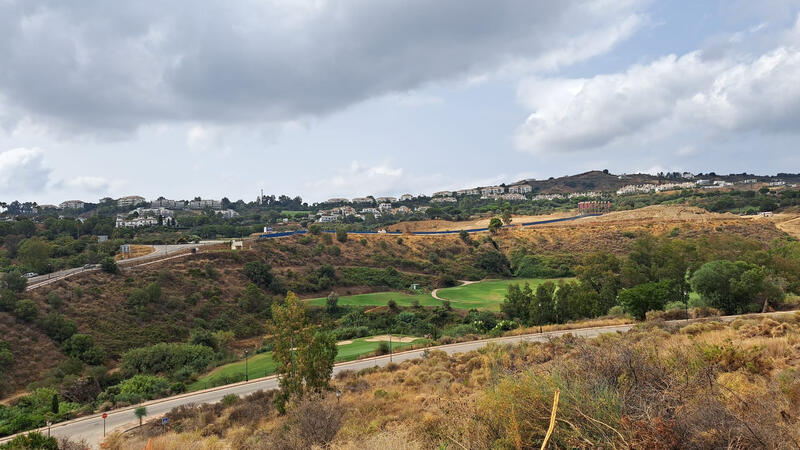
385, 337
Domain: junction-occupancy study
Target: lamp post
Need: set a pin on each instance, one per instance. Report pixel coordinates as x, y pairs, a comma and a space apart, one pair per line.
540, 317
246, 373
390, 345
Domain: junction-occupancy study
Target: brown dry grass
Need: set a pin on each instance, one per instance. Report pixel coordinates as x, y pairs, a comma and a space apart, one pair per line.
136, 251
706, 385
588, 323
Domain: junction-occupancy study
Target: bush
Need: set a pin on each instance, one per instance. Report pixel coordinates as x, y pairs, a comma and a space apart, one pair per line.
341, 234
166, 359
259, 273
33, 440
230, 399
58, 328
15, 282
26, 310
108, 265
616, 311
141, 387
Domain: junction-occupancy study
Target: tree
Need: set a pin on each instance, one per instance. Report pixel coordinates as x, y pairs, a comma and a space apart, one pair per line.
506, 216
308, 368
494, 225
332, 303
54, 404
109, 265
259, 273
341, 234
543, 305
15, 282
647, 297
34, 253
734, 287
517, 304
465, 237
140, 412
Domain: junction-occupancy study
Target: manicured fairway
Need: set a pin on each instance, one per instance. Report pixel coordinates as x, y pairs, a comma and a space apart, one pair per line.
262, 364
380, 299
487, 294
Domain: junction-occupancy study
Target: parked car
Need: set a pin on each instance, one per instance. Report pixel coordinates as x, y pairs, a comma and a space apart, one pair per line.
88, 266
31, 275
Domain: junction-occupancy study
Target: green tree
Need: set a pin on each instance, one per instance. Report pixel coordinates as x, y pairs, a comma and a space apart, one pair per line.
34, 253
495, 224
332, 303
341, 234
259, 273
651, 296
543, 305
517, 304
506, 216
140, 413
15, 282
310, 366
253, 300
316, 360
108, 265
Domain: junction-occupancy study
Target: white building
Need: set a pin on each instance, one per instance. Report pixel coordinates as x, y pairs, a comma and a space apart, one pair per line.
493, 190
171, 204
470, 191
443, 194
363, 200
130, 200
337, 200
406, 197
403, 210
205, 204
329, 218
386, 200
443, 200
228, 213
136, 222
520, 189
384, 207
71, 204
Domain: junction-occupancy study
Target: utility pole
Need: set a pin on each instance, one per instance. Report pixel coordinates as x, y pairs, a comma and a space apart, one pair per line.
390, 345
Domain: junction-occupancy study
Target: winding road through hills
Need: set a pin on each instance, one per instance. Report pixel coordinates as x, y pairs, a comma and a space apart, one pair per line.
90, 428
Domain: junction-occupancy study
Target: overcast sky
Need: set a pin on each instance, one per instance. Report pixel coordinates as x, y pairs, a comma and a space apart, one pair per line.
354, 97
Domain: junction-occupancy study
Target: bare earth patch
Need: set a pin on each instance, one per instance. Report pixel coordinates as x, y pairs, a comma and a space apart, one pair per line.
344, 342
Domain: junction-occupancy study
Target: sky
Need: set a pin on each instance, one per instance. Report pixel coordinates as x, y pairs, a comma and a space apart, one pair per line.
346, 98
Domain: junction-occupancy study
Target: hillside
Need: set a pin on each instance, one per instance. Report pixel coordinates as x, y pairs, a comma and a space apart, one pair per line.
163, 302
703, 385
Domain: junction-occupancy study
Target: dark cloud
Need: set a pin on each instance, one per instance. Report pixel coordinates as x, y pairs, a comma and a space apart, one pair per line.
93, 65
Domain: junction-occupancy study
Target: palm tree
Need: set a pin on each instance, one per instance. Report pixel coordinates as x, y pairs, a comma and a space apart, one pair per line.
140, 412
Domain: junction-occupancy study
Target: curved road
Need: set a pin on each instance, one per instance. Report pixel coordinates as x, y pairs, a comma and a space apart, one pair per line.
159, 251
91, 427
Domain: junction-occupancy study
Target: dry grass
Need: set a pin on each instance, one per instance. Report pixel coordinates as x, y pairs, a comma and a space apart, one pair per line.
136, 251
588, 323
705, 385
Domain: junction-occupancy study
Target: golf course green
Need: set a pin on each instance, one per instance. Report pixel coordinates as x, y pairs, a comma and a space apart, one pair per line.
487, 294
261, 365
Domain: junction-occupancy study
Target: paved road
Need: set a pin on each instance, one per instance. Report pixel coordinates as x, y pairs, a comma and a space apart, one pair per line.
159, 251
91, 427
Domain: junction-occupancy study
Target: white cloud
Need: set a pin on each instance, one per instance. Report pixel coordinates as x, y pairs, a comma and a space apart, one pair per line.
202, 138
669, 97
22, 171
358, 179
87, 184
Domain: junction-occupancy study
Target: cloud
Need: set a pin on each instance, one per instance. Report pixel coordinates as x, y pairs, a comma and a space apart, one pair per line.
87, 184
714, 97
22, 170
202, 138
123, 65
358, 179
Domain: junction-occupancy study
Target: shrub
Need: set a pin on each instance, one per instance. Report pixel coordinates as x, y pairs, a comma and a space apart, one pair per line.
166, 359
230, 399
34, 440
15, 282
259, 273
341, 234
108, 265
141, 387
58, 328
26, 310
616, 311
